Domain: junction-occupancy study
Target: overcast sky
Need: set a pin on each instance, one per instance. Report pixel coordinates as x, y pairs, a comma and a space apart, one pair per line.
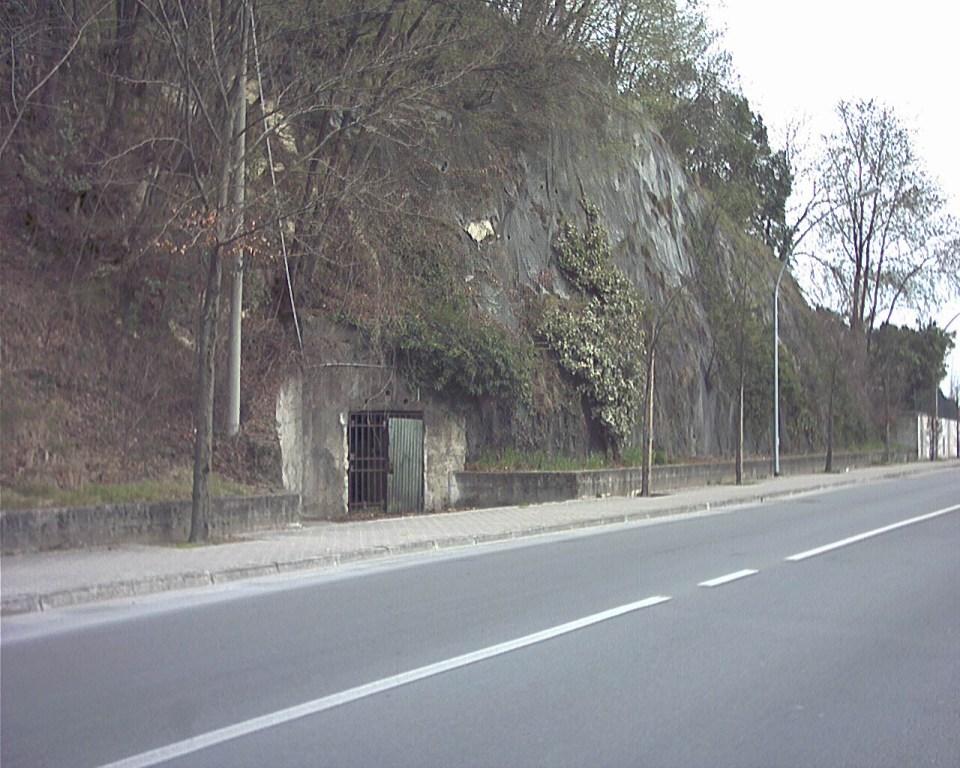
797, 59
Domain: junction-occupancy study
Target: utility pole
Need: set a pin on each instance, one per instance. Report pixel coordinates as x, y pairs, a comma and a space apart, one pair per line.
238, 200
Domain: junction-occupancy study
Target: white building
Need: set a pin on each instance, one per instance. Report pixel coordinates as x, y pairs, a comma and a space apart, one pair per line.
914, 432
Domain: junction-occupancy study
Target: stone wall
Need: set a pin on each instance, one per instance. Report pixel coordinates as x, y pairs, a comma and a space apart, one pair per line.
289, 414
445, 446
477, 490
165, 522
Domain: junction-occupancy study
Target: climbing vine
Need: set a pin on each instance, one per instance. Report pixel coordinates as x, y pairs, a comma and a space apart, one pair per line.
443, 342
597, 335
447, 349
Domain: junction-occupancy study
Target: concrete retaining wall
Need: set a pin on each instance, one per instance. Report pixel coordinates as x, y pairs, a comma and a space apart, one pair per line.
165, 522
478, 490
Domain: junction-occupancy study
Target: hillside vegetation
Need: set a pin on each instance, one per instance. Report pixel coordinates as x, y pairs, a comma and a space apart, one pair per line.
338, 151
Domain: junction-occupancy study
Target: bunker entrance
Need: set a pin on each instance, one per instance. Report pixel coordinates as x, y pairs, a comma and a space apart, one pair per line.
385, 462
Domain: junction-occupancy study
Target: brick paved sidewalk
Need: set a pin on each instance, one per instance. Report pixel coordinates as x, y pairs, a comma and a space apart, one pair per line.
49, 580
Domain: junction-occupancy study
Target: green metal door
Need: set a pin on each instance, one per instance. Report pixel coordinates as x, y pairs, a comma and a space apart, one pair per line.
405, 478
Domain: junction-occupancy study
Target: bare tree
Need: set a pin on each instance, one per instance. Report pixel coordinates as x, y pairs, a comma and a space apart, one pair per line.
340, 83
888, 240
32, 67
209, 44
659, 318
728, 292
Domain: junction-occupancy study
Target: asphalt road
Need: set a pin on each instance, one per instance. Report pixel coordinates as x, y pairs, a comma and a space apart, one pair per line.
561, 650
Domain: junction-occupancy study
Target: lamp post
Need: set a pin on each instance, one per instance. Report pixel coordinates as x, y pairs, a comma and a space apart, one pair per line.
776, 370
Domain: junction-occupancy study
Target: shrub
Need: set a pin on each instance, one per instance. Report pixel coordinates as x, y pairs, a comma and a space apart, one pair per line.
597, 336
447, 349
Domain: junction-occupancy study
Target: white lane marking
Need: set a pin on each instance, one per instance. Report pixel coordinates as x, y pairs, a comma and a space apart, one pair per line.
870, 534
728, 578
221, 735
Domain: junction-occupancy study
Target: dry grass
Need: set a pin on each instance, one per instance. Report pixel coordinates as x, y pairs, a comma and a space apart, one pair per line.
96, 386
176, 486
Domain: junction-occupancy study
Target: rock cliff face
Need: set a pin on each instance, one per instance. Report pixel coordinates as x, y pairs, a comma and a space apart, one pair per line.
497, 208
495, 191
650, 209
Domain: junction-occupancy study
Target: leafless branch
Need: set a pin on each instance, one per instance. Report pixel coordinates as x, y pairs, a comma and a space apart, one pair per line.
18, 116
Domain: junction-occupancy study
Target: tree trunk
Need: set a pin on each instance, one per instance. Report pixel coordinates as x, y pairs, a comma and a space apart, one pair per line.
935, 425
648, 425
740, 432
206, 376
613, 49
828, 465
855, 303
127, 13
886, 424
227, 227
531, 15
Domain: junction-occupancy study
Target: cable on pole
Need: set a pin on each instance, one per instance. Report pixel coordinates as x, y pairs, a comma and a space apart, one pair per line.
273, 179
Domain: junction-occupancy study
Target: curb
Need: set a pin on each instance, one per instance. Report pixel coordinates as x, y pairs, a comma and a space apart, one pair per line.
39, 602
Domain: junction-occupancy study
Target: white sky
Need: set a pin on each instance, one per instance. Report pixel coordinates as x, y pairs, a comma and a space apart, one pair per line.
796, 60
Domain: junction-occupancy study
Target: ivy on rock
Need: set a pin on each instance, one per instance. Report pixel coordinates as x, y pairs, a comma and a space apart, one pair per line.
597, 335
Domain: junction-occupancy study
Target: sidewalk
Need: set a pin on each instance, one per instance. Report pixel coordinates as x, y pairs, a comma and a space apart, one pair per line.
50, 580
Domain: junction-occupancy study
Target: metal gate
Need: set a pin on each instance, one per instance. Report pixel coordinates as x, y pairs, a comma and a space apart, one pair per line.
405, 478
385, 462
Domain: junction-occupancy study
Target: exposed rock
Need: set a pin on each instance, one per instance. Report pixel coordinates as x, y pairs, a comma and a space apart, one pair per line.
648, 205
480, 230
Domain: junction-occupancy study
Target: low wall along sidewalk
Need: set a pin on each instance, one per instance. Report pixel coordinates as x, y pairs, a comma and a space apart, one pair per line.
165, 522
481, 490
33, 530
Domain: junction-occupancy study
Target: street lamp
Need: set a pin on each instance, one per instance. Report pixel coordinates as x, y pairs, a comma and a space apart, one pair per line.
776, 370
776, 316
